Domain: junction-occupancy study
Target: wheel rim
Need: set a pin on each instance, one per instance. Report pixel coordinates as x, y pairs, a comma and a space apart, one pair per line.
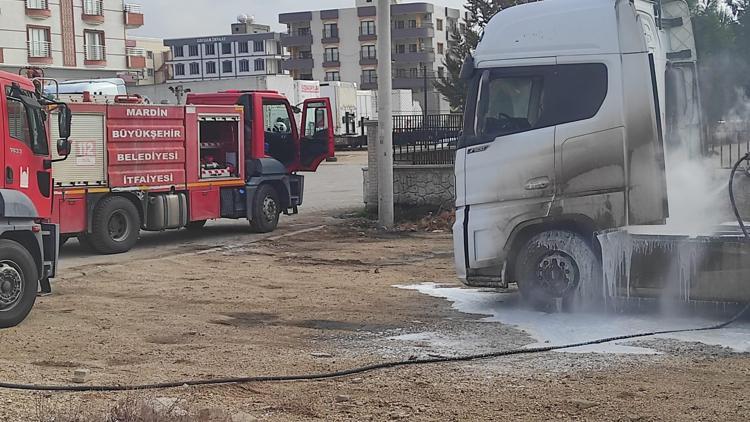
557, 273
118, 226
270, 209
11, 285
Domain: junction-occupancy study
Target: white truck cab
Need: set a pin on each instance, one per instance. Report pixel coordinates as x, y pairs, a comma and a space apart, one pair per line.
564, 137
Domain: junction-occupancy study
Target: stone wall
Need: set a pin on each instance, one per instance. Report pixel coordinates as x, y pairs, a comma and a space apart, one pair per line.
413, 185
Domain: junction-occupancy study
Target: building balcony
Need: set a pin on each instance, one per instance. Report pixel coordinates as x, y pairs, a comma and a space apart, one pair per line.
367, 37
368, 60
368, 82
93, 12
424, 31
136, 57
133, 16
95, 55
298, 64
295, 40
38, 9
426, 55
39, 52
332, 61
295, 17
407, 82
412, 8
330, 37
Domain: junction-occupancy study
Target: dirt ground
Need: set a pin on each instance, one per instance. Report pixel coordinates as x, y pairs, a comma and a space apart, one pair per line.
324, 300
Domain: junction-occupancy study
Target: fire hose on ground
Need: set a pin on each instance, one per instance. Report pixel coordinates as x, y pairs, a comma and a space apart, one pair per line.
399, 363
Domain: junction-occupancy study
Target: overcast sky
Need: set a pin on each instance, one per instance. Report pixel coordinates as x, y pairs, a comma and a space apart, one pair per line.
192, 18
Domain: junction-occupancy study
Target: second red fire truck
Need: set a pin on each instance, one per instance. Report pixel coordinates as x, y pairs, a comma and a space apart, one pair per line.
234, 154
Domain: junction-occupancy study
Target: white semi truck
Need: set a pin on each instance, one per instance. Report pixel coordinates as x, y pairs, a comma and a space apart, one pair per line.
568, 108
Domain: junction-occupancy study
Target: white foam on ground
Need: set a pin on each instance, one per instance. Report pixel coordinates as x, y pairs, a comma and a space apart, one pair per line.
564, 328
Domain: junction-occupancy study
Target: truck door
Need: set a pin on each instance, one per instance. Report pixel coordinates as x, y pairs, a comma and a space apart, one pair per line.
507, 156
26, 166
316, 134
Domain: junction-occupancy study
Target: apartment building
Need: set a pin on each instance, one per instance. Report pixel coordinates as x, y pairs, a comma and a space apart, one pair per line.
70, 39
225, 56
155, 58
341, 45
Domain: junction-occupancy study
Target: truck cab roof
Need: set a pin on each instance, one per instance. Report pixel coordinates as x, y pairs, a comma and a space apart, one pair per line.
230, 97
541, 31
11, 78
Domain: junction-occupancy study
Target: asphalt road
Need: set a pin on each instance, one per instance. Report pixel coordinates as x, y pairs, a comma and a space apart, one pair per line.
334, 188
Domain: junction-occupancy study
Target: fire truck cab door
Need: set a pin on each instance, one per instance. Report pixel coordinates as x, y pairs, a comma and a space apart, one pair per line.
316, 133
26, 168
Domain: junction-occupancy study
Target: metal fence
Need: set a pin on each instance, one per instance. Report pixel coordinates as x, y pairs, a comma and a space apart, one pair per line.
730, 141
426, 139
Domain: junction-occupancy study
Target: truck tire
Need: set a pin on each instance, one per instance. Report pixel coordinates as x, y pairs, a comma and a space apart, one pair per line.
115, 226
196, 225
553, 265
266, 209
19, 280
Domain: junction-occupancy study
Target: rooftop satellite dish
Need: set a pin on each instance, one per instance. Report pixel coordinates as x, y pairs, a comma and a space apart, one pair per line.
242, 18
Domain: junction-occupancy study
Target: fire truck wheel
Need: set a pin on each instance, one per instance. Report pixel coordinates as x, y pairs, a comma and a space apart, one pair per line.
554, 265
266, 209
18, 283
196, 225
115, 226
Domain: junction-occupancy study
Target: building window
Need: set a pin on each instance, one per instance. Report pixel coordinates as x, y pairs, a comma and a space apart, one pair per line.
93, 45
369, 76
210, 49
93, 7
439, 24
412, 48
37, 4
305, 54
39, 42
413, 72
150, 73
193, 50
259, 46
412, 23
244, 65
195, 68
368, 52
330, 30
150, 55
331, 55
179, 69
178, 51
210, 68
242, 47
226, 48
260, 65
367, 28
399, 25
441, 71
226, 66
401, 49
303, 31
440, 48
333, 76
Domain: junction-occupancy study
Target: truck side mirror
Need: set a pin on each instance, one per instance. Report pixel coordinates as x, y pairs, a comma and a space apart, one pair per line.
63, 147
64, 118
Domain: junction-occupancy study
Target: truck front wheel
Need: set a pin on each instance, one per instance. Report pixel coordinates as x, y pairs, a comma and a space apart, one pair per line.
115, 226
554, 265
266, 209
18, 283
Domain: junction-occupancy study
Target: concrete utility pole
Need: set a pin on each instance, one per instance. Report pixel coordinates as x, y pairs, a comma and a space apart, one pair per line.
385, 114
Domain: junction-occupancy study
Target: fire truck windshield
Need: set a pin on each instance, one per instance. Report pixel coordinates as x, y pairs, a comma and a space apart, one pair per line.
26, 120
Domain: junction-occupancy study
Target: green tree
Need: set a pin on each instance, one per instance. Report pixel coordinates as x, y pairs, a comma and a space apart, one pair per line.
464, 39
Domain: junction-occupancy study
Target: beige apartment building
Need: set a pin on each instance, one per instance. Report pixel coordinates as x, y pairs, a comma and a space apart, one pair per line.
70, 39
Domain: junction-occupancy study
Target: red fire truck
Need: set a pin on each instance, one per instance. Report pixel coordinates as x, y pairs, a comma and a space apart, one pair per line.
233, 154
28, 242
